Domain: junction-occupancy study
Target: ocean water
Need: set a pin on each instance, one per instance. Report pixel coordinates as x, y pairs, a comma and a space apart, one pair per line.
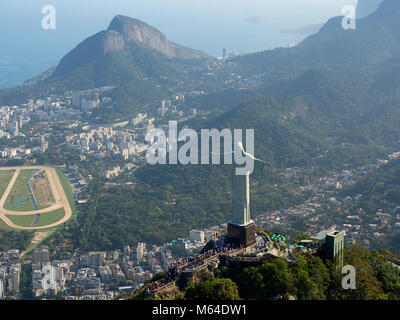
14, 70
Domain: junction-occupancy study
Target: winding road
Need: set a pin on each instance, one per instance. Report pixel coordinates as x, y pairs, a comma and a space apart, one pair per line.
61, 200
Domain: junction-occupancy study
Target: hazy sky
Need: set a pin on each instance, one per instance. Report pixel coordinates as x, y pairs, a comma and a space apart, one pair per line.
207, 25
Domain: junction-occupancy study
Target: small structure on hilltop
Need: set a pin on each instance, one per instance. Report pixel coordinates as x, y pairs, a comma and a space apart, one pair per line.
330, 242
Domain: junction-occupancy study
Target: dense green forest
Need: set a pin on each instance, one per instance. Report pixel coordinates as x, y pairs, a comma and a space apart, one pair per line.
165, 207
312, 278
14, 239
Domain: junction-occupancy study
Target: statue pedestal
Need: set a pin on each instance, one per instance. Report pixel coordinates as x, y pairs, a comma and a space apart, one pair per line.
242, 234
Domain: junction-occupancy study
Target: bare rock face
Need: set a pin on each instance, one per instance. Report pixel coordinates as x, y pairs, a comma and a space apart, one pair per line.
135, 30
112, 41
122, 31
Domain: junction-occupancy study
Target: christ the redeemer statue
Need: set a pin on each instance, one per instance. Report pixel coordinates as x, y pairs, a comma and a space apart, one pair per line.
241, 229
240, 199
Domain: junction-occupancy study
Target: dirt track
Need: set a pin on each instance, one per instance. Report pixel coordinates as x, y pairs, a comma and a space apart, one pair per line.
58, 192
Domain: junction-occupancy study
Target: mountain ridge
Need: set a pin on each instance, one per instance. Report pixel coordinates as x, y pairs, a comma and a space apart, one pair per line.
121, 32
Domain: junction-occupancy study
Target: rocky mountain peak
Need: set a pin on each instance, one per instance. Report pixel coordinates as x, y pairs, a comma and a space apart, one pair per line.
122, 31
135, 30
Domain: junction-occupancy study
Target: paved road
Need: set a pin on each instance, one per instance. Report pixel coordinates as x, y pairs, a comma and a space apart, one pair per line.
58, 192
